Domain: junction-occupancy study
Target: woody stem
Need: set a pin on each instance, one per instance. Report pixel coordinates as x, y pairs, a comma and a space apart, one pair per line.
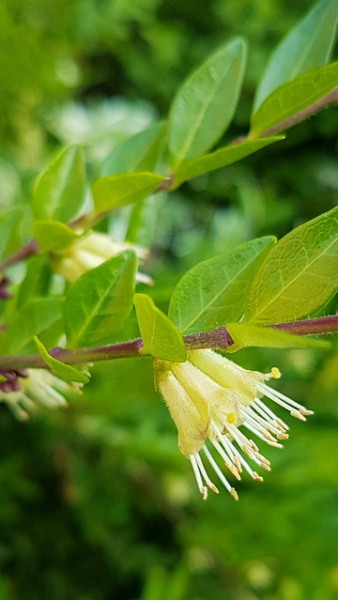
217, 339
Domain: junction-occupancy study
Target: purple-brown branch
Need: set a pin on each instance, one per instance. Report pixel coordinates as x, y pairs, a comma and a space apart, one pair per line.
217, 339
310, 326
25, 252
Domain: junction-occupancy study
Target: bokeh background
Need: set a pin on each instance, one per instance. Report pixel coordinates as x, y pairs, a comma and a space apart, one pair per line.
96, 502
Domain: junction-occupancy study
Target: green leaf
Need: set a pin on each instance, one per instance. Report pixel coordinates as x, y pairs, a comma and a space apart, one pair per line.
143, 220
52, 235
58, 368
114, 191
215, 291
221, 158
245, 336
308, 46
36, 281
8, 220
293, 98
99, 302
138, 153
60, 190
299, 275
33, 319
160, 337
205, 104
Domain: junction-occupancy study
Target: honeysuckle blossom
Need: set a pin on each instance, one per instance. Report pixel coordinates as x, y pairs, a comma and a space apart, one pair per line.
90, 251
22, 389
212, 398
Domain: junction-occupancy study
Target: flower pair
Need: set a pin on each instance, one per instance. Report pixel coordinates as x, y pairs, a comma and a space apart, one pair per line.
210, 398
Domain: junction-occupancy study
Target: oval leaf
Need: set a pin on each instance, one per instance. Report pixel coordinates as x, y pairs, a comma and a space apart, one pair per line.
8, 219
246, 336
60, 189
34, 318
143, 220
52, 235
58, 368
308, 46
138, 153
161, 339
286, 105
299, 275
214, 291
220, 158
99, 302
114, 191
36, 281
205, 104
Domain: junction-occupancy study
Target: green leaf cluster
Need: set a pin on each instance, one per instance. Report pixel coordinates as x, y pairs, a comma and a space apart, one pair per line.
296, 83
257, 284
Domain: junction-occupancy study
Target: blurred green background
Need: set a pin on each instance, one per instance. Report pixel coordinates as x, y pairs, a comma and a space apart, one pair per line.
96, 502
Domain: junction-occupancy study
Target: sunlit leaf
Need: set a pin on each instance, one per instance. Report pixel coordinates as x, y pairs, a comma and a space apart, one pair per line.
52, 235
308, 46
138, 153
293, 98
160, 337
220, 158
299, 275
215, 291
245, 335
117, 190
205, 104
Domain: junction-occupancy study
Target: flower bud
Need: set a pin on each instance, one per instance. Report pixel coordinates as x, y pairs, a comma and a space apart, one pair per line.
90, 251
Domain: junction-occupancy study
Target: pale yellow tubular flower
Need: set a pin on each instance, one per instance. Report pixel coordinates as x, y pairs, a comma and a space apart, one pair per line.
210, 398
38, 386
90, 251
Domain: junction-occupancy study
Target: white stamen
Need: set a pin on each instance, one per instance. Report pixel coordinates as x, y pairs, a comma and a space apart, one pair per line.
260, 407
236, 466
260, 460
218, 471
281, 399
201, 487
228, 464
143, 278
240, 457
260, 424
298, 415
275, 444
208, 481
